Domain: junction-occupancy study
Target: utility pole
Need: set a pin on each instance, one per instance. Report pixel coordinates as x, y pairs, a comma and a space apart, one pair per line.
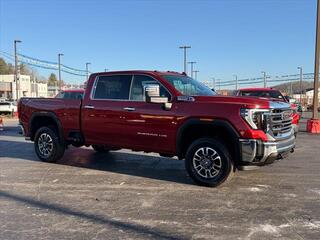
59, 70
16, 70
213, 83
196, 74
264, 79
192, 63
87, 69
235, 75
316, 68
185, 57
300, 68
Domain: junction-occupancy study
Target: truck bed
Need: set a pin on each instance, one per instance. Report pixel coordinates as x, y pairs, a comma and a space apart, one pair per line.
66, 110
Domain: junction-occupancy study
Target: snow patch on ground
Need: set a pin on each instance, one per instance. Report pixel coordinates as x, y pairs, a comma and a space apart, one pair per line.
255, 189
265, 228
262, 186
312, 224
317, 191
290, 195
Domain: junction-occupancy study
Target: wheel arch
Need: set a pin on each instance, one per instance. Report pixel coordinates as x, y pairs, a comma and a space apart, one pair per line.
45, 119
214, 128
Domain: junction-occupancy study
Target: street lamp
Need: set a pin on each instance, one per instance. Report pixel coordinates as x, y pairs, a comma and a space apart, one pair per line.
300, 68
16, 68
185, 57
87, 69
59, 70
192, 63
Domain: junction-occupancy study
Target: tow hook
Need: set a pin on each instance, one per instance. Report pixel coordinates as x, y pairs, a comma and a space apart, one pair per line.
292, 150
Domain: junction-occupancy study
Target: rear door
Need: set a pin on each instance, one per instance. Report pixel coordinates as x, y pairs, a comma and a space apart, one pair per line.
103, 113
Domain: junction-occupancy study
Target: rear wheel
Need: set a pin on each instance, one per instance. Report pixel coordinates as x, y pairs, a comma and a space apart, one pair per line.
47, 145
208, 162
100, 148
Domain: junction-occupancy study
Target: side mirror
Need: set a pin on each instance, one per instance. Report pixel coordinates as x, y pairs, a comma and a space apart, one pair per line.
152, 94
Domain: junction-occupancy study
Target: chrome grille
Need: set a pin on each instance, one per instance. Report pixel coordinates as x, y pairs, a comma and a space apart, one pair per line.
280, 121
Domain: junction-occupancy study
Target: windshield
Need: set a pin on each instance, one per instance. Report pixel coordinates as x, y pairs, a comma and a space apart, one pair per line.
188, 86
265, 94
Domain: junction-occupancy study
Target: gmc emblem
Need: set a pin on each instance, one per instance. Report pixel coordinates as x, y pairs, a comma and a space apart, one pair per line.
286, 115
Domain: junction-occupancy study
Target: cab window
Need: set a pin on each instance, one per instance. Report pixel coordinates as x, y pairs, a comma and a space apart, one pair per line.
138, 84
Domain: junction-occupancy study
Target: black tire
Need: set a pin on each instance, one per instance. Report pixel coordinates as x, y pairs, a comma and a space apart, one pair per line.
100, 148
220, 170
57, 149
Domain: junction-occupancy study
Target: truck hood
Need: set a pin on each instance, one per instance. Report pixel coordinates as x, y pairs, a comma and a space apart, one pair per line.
247, 102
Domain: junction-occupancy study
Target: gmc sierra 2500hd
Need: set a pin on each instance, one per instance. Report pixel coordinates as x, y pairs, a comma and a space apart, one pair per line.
164, 112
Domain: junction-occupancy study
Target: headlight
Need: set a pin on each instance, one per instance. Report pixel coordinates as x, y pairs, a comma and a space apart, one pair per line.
256, 118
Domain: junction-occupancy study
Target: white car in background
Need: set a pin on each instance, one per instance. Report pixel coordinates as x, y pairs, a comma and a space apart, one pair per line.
7, 107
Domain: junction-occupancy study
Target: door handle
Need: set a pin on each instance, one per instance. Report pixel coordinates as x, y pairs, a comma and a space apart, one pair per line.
129, 109
89, 107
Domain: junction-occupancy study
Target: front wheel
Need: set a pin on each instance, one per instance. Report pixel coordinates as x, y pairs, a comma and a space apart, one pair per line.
47, 145
208, 162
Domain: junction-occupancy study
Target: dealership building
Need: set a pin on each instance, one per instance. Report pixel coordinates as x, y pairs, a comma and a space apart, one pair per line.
26, 87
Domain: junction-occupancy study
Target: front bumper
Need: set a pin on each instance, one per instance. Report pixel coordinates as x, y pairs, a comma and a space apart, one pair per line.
257, 152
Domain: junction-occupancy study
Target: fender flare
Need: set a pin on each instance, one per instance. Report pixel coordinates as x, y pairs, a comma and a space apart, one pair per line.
193, 122
51, 115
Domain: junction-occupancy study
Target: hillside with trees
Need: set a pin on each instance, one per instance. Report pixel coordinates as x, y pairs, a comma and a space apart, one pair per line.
285, 87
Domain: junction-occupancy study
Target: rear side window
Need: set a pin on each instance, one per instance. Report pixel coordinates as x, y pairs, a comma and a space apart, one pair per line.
113, 87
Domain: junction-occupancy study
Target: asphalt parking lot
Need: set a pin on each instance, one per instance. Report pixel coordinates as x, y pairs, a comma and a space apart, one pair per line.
127, 195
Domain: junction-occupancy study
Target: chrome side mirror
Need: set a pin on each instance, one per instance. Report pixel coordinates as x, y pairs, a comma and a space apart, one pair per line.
152, 94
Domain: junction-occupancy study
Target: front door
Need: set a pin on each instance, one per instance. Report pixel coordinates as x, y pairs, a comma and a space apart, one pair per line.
150, 127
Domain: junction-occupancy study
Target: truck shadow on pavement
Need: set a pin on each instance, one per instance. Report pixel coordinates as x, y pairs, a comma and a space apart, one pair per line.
121, 162
133, 228
129, 163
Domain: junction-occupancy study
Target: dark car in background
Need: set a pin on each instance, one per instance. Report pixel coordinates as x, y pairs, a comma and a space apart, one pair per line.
71, 94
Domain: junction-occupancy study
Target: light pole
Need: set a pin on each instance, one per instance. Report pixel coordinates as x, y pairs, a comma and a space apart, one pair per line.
213, 83
219, 81
87, 69
315, 114
236, 76
59, 70
264, 79
300, 68
16, 78
196, 74
191, 68
106, 69
185, 57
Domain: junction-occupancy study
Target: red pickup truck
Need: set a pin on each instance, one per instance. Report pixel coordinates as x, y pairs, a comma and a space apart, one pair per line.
164, 112
272, 94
